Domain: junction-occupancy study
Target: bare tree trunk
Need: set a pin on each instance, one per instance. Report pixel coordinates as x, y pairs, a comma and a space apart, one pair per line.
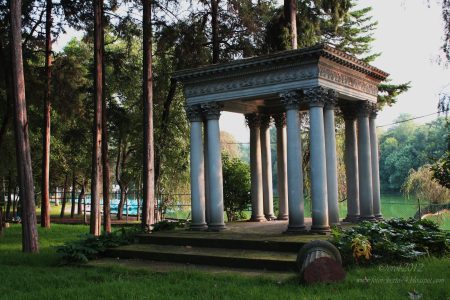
95, 221
63, 202
215, 30
74, 186
24, 167
149, 175
121, 203
8, 203
80, 198
45, 211
138, 199
290, 14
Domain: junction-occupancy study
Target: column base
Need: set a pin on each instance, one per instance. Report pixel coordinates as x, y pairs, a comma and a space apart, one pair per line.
367, 218
257, 219
198, 227
351, 219
270, 217
216, 227
379, 217
283, 217
321, 229
299, 229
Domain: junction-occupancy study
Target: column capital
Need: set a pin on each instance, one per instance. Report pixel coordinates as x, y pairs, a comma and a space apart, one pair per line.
374, 111
211, 110
331, 99
318, 96
194, 113
253, 120
280, 120
291, 99
265, 121
364, 109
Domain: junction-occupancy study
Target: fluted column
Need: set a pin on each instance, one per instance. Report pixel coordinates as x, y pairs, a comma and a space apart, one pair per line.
375, 163
266, 158
330, 150
365, 162
319, 195
254, 122
351, 162
194, 114
291, 101
280, 124
212, 114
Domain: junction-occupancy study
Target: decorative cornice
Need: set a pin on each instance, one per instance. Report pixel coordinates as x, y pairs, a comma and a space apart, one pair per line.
194, 113
284, 57
291, 99
280, 120
253, 120
211, 110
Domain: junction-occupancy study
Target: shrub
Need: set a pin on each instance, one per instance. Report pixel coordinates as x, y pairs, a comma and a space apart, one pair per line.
91, 247
236, 187
169, 225
394, 241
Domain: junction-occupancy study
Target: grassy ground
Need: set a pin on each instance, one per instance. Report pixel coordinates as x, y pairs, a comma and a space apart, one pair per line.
24, 276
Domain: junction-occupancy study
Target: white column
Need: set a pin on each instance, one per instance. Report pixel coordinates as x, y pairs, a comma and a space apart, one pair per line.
253, 122
330, 149
197, 169
280, 124
212, 113
294, 163
266, 157
351, 162
375, 164
206, 168
319, 195
365, 163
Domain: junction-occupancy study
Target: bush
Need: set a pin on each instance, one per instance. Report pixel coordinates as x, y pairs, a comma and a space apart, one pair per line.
169, 225
236, 187
92, 247
393, 241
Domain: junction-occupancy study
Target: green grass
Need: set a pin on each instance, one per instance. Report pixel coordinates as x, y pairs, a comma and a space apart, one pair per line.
25, 276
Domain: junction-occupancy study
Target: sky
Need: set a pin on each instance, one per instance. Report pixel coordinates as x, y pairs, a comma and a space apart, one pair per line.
409, 36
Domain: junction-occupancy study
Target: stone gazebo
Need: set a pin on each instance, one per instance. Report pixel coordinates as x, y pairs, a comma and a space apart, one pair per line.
317, 79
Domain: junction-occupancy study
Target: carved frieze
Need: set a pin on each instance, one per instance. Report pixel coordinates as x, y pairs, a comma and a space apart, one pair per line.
346, 79
258, 79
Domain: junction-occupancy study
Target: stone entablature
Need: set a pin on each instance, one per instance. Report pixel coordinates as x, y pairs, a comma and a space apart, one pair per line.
265, 77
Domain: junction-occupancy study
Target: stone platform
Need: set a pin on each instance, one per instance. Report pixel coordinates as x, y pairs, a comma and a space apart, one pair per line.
242, 245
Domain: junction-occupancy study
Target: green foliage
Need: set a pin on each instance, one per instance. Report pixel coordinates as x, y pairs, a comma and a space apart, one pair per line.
441, 170
421, 185
91, 247
169, 225
394, 241
409, 146
236, 187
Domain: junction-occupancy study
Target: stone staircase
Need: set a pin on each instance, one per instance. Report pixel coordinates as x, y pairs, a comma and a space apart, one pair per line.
277, 253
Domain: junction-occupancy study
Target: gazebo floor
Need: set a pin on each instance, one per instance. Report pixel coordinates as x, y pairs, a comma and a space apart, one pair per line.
249, 245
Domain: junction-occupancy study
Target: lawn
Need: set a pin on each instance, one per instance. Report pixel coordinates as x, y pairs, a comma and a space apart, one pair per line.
25, 276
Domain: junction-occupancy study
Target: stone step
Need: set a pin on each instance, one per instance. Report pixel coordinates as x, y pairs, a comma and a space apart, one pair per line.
280, 244
235, 258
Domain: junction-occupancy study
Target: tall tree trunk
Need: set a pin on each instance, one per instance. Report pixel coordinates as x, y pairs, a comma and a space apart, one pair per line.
290, 14
95, 221
45, 211
8, 203
80, 198
149, 175
74, 186
14, 202
64, 200
121, 203
8, 86
215, 30
24, 167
